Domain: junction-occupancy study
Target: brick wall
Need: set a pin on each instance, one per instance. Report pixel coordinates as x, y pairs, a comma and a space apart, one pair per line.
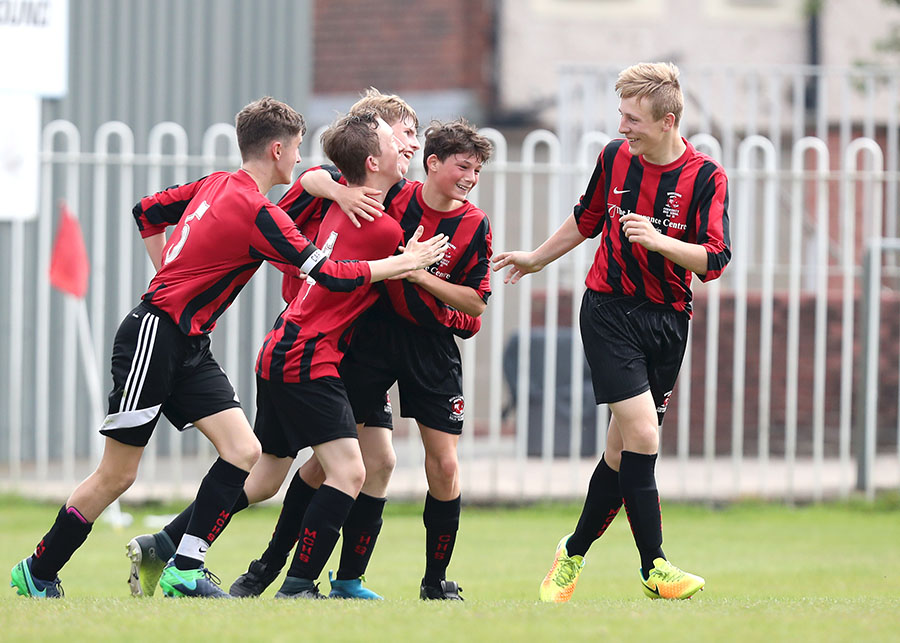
402, 45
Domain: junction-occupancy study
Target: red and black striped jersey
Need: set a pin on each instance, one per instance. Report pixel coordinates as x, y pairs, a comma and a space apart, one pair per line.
311, 335
466, 262
307, 211
686, 199
225, 229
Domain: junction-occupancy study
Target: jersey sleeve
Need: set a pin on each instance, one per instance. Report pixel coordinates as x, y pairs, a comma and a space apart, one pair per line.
154, 213
476, 271
300, 205
274, 238
459, 323
590, 211
712, 225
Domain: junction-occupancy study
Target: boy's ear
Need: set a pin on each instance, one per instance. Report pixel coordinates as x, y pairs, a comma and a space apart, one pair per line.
371, 164
668, 121
276, 148
432, 163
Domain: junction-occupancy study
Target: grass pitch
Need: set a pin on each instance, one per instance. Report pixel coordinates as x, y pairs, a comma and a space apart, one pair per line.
774, 573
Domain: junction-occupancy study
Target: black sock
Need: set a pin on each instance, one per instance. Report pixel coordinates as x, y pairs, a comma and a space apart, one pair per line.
360, 532
68, 533
178, 526
319, 532
602, 503
216, 498
441, 520
287, 529
638, 483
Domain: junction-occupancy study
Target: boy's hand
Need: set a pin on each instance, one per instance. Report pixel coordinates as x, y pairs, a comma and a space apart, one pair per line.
638, 229
424, 253
360, 202
520, 264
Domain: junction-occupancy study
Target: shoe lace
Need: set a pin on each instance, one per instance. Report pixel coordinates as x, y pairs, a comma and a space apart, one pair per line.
211, 577
58, 584
668, 573
566, 571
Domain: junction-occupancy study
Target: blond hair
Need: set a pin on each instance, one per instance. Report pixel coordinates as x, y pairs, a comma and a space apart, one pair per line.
655, 82
389, 107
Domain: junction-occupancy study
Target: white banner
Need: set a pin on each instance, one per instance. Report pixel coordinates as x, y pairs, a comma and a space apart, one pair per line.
20, 145
34, 47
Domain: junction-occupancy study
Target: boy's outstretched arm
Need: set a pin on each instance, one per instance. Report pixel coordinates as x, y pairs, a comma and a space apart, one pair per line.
522, 263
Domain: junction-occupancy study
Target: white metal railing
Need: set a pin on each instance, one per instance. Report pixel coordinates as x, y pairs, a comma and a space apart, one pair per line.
734, 430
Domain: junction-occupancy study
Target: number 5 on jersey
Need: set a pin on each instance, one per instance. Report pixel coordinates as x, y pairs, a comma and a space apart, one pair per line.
175, 250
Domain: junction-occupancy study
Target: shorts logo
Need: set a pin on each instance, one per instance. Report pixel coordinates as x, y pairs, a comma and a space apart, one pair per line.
457, 408
665, 403
387, 404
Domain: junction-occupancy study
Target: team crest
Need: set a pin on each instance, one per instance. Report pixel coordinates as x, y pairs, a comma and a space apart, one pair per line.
665, 403
457, 408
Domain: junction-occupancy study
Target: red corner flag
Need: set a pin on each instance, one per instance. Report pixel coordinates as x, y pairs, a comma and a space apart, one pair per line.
69, 262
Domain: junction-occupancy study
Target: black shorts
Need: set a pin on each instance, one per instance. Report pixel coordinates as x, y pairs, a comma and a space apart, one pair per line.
158, 369
291, 416
632, 346
382, 416
426, 366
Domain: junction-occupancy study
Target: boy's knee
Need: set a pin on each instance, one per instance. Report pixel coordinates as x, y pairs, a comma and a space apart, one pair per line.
381, 465
445, 465
119, 480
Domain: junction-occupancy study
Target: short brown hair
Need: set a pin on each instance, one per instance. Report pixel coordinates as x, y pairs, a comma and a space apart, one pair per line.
263, 121
390, 107
349, 141
455, 137
658, 83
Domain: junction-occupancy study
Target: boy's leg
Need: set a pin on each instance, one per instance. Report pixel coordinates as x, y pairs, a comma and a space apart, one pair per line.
37, 575
601, 505
441, 514
604, 496
238, 449
327, 511
363, 525
265, 569
149, 553
637, 421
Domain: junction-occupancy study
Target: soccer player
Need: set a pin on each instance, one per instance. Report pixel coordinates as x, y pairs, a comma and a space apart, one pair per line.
297, 368
660, 209
410, 342
161, 362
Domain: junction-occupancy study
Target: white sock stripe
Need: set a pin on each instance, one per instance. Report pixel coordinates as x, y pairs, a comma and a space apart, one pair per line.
148, 353
192, 547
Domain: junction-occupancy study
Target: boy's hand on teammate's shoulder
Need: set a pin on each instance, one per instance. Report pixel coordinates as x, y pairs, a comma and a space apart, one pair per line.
360, 202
